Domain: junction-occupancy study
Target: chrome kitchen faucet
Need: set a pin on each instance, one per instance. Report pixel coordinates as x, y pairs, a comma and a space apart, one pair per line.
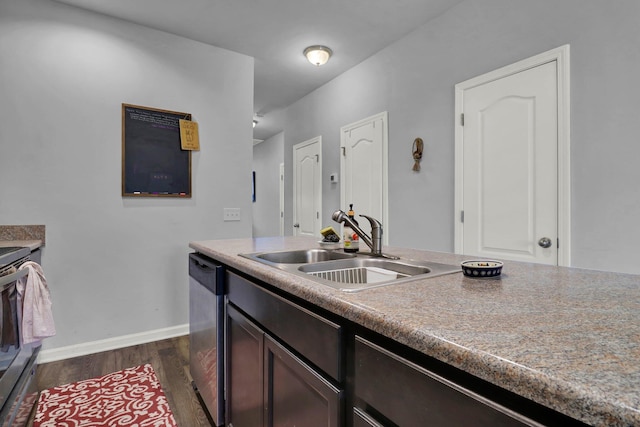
374, 242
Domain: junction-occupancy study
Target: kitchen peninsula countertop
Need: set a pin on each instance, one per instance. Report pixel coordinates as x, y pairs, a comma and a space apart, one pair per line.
566, 338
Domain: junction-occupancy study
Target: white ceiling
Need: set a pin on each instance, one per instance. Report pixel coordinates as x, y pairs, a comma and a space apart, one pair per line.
276, 32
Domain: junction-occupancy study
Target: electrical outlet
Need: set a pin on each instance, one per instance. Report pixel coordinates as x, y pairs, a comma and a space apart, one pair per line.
232, 214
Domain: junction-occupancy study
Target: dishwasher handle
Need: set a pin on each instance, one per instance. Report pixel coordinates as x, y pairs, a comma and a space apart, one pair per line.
207, 272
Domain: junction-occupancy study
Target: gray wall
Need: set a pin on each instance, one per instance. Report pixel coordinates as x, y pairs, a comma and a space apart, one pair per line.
267, 157
115, 266
414, 80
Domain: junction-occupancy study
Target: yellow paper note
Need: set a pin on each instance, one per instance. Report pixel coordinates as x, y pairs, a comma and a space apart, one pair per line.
189, 139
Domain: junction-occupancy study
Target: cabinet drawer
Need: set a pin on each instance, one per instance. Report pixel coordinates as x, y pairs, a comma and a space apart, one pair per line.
314, 337
409, 395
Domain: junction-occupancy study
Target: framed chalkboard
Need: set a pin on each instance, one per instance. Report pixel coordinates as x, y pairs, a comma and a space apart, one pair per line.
153, 163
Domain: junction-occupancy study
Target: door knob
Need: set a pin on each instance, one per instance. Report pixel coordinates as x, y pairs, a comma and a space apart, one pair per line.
296, 225
545, 242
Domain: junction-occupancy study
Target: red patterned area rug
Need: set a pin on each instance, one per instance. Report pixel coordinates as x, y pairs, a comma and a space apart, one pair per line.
131, 397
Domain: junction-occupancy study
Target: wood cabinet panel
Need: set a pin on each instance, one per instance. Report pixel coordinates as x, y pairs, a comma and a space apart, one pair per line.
245, 355
409, 395
314, 337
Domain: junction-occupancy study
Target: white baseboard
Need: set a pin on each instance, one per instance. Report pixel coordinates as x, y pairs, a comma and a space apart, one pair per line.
91, 347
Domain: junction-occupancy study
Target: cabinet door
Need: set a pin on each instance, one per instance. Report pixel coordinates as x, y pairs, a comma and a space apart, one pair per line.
295, 394
245, 355
408, 395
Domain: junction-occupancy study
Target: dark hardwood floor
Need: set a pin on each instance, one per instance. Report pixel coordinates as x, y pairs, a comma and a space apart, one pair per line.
169, 358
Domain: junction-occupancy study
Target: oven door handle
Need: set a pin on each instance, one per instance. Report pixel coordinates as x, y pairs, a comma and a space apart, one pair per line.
13, 277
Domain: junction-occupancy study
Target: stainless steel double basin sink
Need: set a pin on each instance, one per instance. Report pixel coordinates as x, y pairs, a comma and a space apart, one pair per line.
350, 272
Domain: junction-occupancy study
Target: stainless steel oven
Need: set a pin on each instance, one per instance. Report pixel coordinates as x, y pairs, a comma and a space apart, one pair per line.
18, 389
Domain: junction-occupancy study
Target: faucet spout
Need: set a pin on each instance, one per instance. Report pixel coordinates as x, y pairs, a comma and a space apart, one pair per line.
376, 235
374, 242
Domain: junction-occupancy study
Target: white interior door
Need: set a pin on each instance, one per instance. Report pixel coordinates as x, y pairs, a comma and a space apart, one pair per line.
307, 187
281, 199
510, 167
364, 170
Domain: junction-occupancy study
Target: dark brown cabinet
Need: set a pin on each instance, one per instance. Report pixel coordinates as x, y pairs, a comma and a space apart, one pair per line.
406, 394
269, 384
314, 337
295, 394
245, 355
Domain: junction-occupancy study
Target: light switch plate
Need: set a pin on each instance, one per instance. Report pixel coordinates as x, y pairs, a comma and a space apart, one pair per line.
232, 214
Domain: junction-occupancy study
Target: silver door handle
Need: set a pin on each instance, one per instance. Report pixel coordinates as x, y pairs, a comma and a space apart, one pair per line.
545, 242
296, 225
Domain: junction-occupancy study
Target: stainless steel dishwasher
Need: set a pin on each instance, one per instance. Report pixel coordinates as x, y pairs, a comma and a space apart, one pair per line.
206, 333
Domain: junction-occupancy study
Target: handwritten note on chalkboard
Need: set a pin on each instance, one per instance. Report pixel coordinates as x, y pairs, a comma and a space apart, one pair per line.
153, 162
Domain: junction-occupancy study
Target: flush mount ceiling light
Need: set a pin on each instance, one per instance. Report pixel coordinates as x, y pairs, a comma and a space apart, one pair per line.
318, 55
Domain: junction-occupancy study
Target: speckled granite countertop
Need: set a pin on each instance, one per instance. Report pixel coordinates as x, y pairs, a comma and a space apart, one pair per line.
23, 233
566, 338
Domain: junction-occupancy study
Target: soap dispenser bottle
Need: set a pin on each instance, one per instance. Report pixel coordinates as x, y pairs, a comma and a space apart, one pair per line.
350, 238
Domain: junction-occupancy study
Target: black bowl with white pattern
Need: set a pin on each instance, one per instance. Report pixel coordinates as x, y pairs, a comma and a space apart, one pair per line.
481, 268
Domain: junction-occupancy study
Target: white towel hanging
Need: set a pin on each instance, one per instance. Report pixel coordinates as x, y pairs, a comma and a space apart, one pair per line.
34, 296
